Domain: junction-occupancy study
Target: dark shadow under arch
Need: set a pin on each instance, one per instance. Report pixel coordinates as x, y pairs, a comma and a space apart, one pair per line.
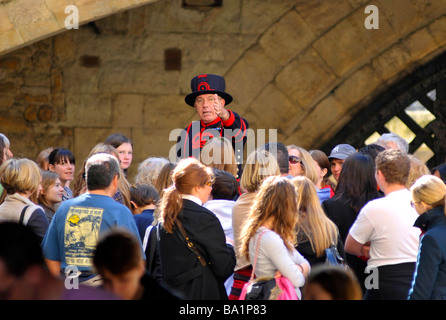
426, 87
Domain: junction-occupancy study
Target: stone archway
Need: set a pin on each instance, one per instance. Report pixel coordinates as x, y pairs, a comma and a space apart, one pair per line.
23, 22
312, 70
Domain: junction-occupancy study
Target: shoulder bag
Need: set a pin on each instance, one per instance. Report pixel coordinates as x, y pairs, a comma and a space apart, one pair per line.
267, 288
334, 258
190, 244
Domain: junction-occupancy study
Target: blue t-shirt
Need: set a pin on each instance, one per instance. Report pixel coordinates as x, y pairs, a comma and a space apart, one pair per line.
74, 231
143, 220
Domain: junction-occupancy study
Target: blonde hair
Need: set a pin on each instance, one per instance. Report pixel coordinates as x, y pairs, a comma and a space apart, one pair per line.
188, 173
308, 164
274, 202
260, 164
42, 158
417, 169
219, 154
149, 169
429, 189
312, 220
20, 175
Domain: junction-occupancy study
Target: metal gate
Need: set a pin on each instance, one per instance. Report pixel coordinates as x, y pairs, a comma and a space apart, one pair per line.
415, 109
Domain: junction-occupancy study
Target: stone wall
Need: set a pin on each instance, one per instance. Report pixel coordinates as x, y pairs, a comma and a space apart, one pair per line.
302, 67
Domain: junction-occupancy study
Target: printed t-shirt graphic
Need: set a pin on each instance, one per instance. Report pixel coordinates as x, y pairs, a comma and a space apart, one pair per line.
82, 227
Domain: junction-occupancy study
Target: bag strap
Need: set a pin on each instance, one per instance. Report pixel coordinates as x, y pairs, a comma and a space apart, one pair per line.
190, 244
22, 214
256, 254
146, 237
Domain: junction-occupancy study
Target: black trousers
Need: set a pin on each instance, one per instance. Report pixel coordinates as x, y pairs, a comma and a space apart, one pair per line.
394, 282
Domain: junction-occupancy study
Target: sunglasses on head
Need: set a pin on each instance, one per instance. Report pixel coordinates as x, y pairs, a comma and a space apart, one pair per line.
294, 159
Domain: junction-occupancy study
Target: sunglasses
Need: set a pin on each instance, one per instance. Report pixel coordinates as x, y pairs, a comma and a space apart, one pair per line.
294, 159
209, 183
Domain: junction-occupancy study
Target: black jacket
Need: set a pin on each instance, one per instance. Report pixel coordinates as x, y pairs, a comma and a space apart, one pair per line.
180, 268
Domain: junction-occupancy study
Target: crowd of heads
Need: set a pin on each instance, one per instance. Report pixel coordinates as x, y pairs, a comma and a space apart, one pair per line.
286, 181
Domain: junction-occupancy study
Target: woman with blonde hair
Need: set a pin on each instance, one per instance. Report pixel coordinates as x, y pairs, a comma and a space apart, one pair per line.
21, 179
80, 185
417, 169
149, 170
315, 231
260, 164
302, 163
219, 154
51, 193
195, 258
428, 199
272, 221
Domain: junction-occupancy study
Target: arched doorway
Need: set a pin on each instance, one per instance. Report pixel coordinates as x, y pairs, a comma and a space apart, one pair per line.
415, 108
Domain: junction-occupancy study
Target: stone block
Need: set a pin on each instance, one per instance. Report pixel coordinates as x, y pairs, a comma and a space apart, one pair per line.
392, 62
273, 109
437, 29
305, 79
128, 111
349, 44
358, 88
249, 75
10, 39
420, 44
322, 15
166, 111
88, 110
325, 119
287, 38
403, 15
257, 16
150, 78
85, 138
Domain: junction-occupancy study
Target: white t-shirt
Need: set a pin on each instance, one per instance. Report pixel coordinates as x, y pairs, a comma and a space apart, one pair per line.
388, 224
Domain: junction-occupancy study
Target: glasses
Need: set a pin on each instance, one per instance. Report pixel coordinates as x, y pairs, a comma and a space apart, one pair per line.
209, 183
200, 101
294, 159
412, 203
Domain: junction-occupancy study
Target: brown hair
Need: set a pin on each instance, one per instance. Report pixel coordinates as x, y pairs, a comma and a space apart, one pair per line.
117, 251
49, 179
322, 161
189, 173
394, 165
80, 185
275, 201
164, 179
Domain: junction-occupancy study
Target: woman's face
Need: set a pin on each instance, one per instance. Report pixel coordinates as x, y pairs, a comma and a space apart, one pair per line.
54, 193
296, 168
204, 192
65, 170
125, 152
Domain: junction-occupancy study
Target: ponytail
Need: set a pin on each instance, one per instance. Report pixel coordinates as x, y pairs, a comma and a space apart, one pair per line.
188, 174
171, 205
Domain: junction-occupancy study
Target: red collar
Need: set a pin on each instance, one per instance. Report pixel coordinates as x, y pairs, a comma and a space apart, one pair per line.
217, 120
